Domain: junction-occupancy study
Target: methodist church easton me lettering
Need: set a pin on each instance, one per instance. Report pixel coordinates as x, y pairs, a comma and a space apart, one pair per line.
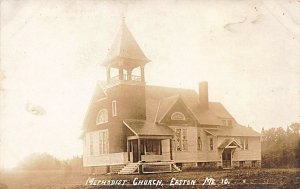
131, 127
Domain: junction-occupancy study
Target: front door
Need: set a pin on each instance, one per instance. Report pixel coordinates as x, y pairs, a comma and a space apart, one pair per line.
134, 144
226, 158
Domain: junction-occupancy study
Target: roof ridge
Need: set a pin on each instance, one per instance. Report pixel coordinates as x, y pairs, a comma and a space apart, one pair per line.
167, 87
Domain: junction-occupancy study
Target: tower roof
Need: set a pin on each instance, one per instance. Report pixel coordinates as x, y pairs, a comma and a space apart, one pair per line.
125, 51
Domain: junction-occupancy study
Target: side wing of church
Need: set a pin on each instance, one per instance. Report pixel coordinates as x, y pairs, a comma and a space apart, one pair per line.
129, 123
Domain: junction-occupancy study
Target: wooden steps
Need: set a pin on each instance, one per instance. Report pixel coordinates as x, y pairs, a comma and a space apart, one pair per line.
130, 168
177, 169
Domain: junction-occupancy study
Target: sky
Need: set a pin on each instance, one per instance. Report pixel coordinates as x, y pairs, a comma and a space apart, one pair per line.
51, 52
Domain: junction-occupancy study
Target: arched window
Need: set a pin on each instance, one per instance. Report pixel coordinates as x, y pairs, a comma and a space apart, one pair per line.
102, 116
177, 116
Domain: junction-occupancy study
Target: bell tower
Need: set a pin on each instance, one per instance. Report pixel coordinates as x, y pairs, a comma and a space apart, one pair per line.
125, 55
125, 70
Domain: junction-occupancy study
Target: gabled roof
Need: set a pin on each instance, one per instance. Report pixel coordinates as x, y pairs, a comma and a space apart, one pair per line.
164, 106
160, 99
142, 127
126, 49
164, 97
229, 143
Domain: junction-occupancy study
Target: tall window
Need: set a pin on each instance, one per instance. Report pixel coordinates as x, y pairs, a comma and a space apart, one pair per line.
114, 108
181, 140
199, 141
102, 117
199, 144
244, 143
211, 144
103, 142
91, 144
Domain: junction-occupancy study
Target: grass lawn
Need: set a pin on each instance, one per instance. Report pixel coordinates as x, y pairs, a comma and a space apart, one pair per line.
245, 178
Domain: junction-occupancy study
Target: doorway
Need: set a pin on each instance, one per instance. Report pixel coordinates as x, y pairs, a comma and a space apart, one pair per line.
134, 149
226, 158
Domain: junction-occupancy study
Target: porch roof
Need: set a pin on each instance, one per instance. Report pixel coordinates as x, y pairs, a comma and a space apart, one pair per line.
142, 128
229, 143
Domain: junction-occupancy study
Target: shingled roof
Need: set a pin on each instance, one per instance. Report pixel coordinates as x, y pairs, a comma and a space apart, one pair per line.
142, 128
160, 99
125, 48
236, 130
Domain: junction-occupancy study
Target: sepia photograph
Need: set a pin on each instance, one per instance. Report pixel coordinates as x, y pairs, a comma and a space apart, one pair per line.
149, 94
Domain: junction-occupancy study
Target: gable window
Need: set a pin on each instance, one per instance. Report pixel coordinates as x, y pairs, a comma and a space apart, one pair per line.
244, 143
227, 122
177, 116
102, 117
211, 144
114, 107
103, 142
181, 140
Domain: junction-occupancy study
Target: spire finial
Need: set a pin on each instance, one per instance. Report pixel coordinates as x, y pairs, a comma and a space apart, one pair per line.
123, 18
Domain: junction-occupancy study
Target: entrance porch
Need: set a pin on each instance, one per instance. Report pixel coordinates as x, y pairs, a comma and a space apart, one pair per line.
148, 148
227, 149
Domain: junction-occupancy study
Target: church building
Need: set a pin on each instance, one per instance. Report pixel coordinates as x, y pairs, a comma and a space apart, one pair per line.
132, 127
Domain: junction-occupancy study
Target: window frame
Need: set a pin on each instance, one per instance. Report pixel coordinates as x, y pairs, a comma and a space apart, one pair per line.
253, 163
199, 141
245, 143
100, 113
114, 108
103, 142
176, 119
182, 144
91, 144
211, 144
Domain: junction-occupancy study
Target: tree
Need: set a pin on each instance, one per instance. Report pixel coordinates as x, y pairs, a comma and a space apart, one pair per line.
40, 162
280, 148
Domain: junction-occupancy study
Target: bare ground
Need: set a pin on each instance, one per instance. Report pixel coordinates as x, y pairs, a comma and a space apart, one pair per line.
245, 178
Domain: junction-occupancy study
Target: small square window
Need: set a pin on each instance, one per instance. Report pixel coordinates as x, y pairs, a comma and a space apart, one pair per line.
242, 163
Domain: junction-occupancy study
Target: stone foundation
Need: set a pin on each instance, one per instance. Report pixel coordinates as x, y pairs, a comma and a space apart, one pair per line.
103, 169
246, 164
198, 165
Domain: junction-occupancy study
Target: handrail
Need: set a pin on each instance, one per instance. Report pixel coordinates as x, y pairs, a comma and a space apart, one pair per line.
126, 78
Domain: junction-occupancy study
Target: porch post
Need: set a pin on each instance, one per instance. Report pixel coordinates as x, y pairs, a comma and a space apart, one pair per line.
128, 149
139, 149
171, 153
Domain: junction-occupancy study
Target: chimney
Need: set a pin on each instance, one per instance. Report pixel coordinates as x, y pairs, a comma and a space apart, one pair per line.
203, 95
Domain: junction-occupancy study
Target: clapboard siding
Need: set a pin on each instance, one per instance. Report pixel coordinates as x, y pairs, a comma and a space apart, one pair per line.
253, 152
